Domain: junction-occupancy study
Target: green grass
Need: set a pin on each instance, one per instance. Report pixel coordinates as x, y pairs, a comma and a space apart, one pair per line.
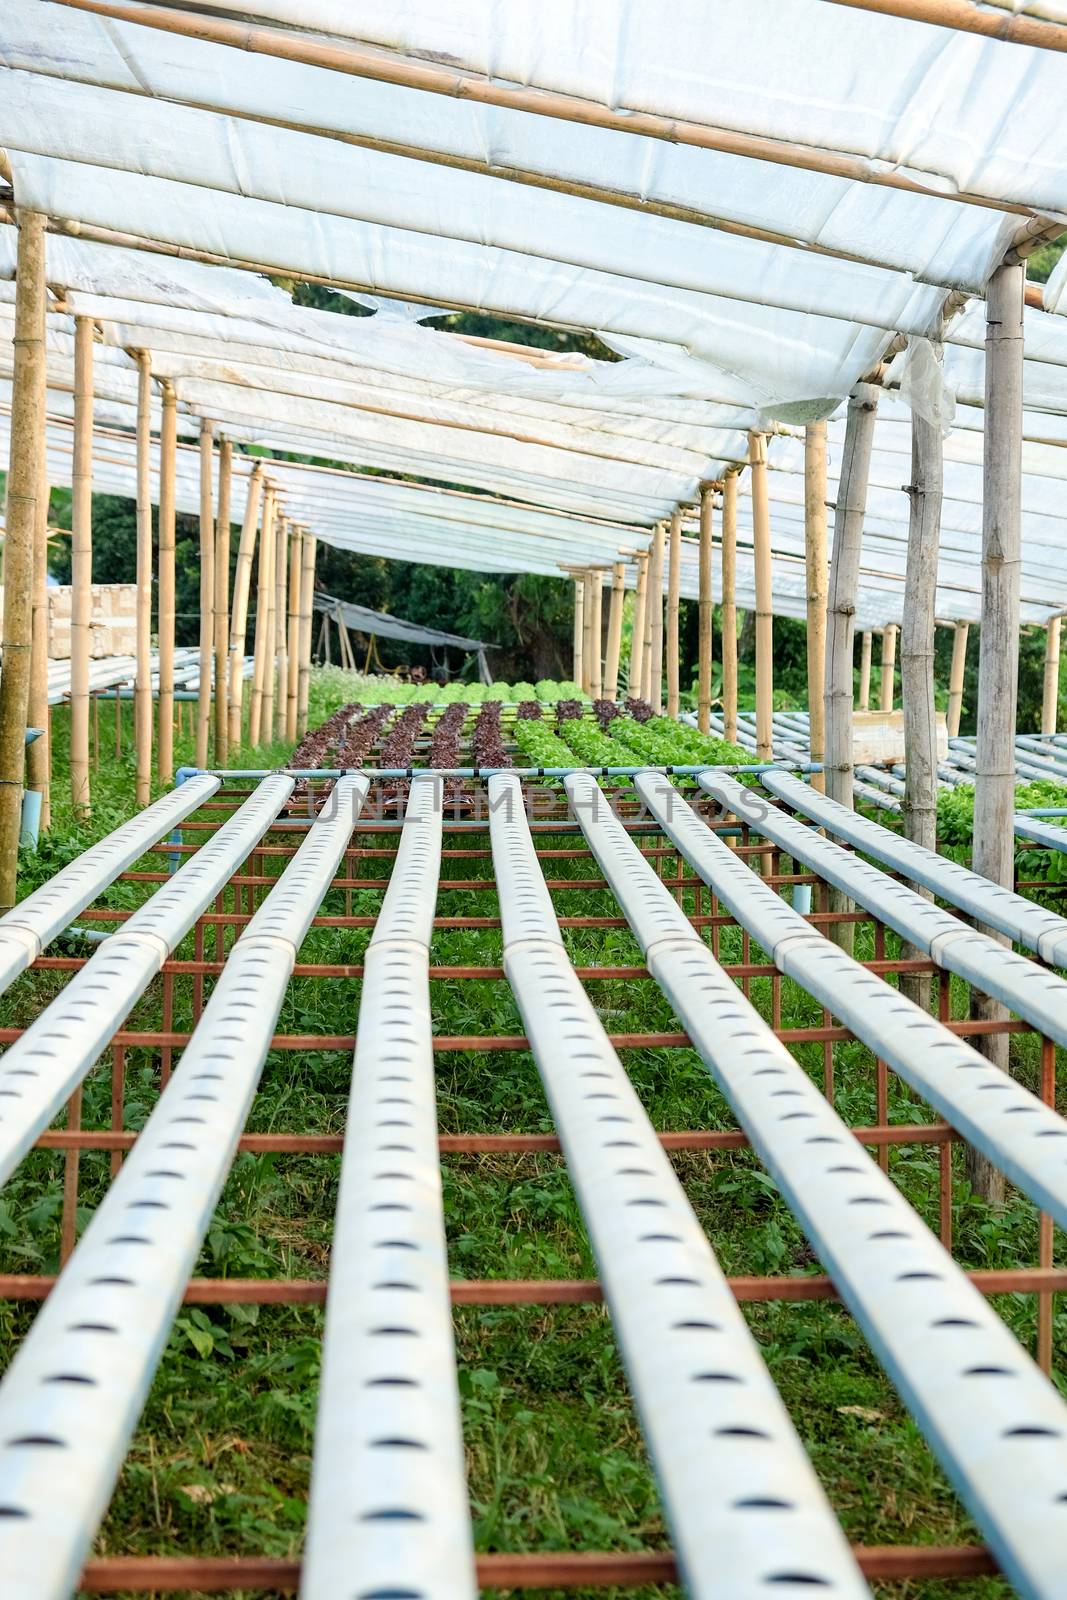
221, 1458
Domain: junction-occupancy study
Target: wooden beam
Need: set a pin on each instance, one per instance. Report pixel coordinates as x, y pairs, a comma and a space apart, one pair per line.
242, 579
761, 557
168, 446
1050, 697
611, 663
955, 682
142, 702
706, 606
889, 658
81, 565
24, 485
430, 77
729, 606
673, 645
223, 534
816, 575
207, 590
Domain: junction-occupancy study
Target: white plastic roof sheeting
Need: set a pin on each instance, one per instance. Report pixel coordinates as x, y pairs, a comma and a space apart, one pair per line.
183, 145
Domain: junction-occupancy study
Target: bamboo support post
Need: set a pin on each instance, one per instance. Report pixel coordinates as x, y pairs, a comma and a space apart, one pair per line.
611, 664
292, 687
270, 636
168, 444
24, 482
578, 657
841, 615
706, 604
81, 565
866, 643
729, 606
673, 647
998, 660
655, 603
281, 626
1050, 697
307, 592
207, 590
348, 658
596, 687
142, 702
223, 534
242, 578
645, 690
586, 677
816, 575
266, 537
844, 580
889, 657
917, 658
761, 554
955, 681
39, 753
637, 629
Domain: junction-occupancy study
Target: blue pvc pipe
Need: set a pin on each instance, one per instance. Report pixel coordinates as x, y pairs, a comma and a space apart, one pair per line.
377, 773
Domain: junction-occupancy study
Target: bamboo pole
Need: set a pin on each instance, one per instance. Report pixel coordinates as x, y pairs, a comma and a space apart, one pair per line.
816, 574
307, 591
998, 659
296, 548
270, 637
611, 665
646, 631
965, 17
866, 641
81, 563
637, 628
844, 578
578, 658
207, 591
917, 659
223, 534
142, 706
24, 482
889, 656
281, 626
655, 601
761, 554
673, 645
168, 444
729, 606
841, 616
242, 578
597, 686
1050, 698
587, 632
955, 681
383, 66
39, 754
266, 537
706, 604
349, 659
